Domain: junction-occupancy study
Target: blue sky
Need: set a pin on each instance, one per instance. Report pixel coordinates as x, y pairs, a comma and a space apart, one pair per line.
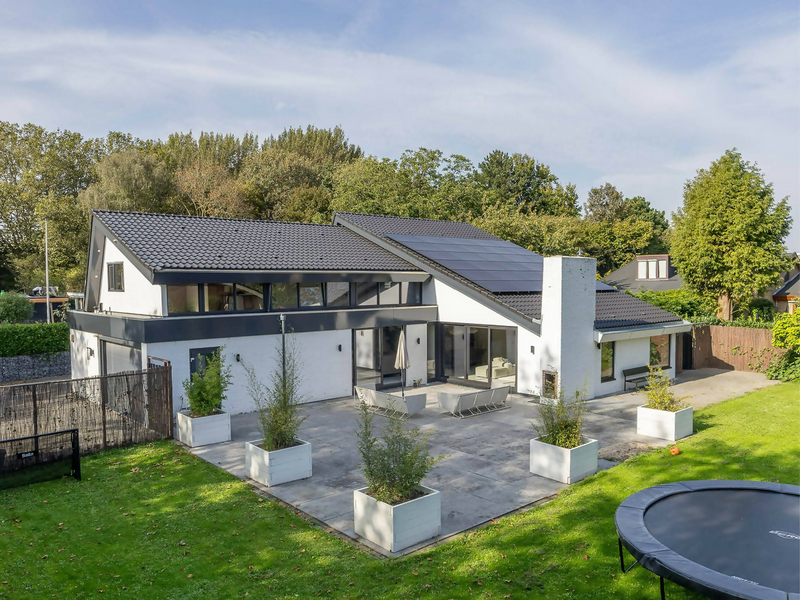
640, 94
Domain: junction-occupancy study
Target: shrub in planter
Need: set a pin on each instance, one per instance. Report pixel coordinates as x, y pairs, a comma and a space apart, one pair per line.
394, 510
280, 456
665, 416
561, 452
204, 422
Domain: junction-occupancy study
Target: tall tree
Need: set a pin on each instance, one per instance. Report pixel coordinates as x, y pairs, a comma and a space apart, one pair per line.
521, 180
209, 190
640, 209
605, 203
728, 238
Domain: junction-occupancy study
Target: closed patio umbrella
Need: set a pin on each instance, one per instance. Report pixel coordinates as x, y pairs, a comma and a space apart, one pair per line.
401, 360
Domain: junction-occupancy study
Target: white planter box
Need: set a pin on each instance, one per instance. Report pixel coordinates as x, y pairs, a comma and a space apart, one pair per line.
397, 527
664, 424
278, 466
202, 431
566, 465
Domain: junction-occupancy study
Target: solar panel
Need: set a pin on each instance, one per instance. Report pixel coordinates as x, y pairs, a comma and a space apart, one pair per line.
495, 265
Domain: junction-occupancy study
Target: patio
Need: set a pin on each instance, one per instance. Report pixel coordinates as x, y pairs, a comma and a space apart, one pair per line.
484, 476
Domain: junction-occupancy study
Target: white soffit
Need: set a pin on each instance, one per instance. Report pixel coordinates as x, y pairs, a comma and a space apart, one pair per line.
614, 335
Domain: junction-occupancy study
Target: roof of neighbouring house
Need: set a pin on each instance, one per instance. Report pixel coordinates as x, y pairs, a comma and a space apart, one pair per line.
790, 288
626, 278
163, 241
613, 310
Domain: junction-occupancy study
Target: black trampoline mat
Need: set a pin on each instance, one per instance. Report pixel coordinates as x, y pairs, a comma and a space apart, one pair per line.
749, 534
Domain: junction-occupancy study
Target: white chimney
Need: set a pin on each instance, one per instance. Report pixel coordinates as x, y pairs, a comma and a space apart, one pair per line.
568, 310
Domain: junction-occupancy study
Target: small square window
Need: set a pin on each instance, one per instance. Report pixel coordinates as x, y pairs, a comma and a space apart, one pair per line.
606, 361
549, 384
116, 282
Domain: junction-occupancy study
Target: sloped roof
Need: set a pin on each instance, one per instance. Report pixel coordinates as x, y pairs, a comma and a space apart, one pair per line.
613, 310
626, 278
385, 226
790, 288
200, 243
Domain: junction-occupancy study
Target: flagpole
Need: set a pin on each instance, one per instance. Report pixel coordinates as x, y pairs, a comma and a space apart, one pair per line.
47, 272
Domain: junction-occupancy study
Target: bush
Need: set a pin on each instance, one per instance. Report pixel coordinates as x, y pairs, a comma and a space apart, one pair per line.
396, 463
785, 367
15, 308
206, 391
278, 404
659, 396
684, 303
562, 421
761, 308
33, 338
786, 331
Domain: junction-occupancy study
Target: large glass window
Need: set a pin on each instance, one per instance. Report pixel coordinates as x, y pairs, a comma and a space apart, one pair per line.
182, 299
368, 357
478, 366
284, 296
503, 346
367, 294
311, 294
659, 351
249, 296
338, 294
412, 293
454, 351
607, 361
119, 358
219, 297
431, 351
390, 293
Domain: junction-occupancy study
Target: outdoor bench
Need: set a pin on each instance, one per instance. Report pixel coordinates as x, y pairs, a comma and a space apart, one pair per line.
468, 404
635, 375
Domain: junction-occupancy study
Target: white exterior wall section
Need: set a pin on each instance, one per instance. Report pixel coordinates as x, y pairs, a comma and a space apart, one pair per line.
417, 353
568, 313
455, 307
140, 296
84, 363
629, 354
327, 372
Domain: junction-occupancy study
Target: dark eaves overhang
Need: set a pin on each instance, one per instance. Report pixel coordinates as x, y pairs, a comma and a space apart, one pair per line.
153, 330
471, 291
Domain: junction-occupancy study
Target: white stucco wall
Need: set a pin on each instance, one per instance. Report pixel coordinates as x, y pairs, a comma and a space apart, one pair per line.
629, 354
455, 307
140, 296
327, 371
82, 364
417, 353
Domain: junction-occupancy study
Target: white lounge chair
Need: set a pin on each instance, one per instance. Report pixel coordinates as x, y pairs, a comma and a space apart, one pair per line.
391, 404
469, 404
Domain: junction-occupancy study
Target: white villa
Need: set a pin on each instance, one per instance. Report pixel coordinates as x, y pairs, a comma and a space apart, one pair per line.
476, 310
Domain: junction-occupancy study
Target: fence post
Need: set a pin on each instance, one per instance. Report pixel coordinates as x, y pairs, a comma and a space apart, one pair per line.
35, 420
103, 403
76, 455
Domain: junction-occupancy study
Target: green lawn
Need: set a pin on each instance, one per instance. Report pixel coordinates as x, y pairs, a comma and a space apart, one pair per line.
156, 522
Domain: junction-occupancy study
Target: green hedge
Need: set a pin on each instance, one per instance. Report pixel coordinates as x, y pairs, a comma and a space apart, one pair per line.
36, 338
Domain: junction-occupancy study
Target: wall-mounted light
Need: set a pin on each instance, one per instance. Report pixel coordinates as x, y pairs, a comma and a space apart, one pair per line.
340, 347
238, 358
418, 341
90, 352
598, 345
533, 349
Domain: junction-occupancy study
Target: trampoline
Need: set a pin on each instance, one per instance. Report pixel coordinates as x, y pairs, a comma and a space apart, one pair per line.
722, 539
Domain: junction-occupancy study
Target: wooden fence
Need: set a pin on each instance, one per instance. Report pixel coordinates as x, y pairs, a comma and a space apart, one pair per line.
734, 348
109, 411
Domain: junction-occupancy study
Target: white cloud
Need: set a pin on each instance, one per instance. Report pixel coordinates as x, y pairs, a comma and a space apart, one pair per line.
579, 103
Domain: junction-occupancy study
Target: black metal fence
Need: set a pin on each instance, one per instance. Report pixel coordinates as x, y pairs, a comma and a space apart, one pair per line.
37, 458
108, 411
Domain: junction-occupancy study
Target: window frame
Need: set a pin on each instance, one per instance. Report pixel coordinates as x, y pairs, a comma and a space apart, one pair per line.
666, 366
112, 279
606, 379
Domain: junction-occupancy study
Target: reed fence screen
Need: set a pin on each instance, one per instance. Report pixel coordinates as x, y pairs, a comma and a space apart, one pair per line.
109, 411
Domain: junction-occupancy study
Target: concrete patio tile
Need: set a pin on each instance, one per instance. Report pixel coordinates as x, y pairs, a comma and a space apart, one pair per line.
344, 523
505, 472
441, 474
328, 507
304, 490
472, 483
228, 456
462, 511
350, 480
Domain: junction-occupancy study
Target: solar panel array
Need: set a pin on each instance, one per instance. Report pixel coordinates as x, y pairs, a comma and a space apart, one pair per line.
496, 265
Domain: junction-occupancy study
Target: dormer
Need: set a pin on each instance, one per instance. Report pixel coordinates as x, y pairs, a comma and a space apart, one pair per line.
652, 266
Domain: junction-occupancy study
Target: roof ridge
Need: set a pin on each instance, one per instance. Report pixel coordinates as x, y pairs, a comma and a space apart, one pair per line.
337, 212
100, 212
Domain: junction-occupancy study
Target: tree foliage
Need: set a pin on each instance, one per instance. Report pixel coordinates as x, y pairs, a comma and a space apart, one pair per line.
728, 238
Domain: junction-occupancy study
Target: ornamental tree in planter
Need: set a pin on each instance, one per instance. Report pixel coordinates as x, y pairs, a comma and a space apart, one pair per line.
280, 456
204, 422
394, 510
664, 416
561, 452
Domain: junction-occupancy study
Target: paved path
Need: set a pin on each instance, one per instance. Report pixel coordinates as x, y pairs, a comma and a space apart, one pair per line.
484, 475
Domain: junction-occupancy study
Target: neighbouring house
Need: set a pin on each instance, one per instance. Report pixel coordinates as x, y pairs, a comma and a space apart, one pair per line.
787, 297
475, 309
647, 272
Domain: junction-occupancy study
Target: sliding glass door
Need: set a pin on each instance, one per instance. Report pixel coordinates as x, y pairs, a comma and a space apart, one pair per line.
375, 351
480, 356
